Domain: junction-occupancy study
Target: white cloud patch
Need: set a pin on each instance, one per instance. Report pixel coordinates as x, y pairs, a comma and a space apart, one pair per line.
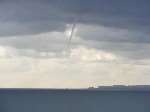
91, 54
76, 71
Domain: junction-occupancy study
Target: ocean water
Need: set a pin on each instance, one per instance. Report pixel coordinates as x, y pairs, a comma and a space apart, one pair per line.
74, 101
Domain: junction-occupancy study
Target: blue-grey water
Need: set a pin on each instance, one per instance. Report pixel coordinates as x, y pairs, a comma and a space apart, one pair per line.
74, 101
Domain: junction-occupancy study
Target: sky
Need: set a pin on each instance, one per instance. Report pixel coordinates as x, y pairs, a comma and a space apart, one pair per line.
110, 43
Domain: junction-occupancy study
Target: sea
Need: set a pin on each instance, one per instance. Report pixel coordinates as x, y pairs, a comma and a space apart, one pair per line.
44, 100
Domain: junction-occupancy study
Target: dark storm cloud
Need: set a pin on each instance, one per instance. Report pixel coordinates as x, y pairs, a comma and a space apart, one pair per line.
34, 16
122, 24
103, 33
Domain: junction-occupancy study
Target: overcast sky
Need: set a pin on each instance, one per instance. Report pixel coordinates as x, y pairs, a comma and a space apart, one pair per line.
110, 44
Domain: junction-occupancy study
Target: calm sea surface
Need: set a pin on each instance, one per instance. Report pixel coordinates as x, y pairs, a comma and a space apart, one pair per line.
74, 101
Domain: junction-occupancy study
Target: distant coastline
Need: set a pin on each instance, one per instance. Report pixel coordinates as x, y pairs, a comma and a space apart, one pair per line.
99, 88
122, 88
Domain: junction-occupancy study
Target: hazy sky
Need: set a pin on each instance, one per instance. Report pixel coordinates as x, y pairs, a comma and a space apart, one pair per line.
110, 45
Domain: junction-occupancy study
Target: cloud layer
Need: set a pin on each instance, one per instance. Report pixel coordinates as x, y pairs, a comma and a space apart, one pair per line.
110, 44
26, 17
